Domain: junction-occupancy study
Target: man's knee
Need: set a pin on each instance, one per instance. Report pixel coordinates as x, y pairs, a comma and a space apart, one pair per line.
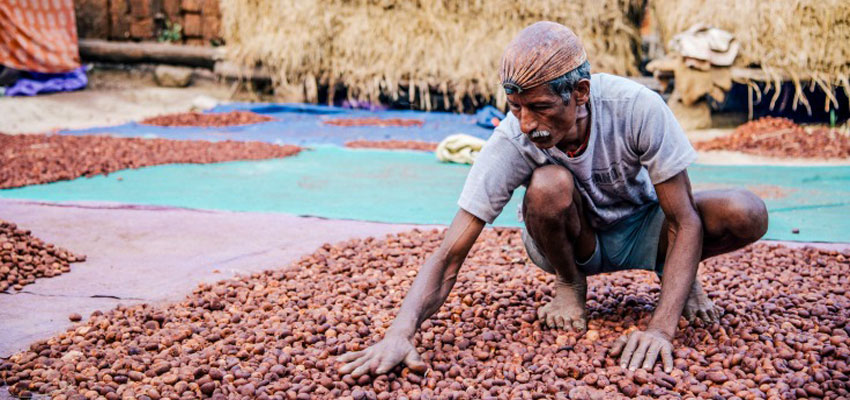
550, 193
745, 215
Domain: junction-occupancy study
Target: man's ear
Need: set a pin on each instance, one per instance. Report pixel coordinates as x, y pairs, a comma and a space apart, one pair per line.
581, 93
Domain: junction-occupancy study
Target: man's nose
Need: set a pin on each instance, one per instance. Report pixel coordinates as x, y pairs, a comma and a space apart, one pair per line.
527, 123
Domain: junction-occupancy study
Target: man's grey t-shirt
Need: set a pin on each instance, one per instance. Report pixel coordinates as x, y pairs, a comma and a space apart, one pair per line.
635, 142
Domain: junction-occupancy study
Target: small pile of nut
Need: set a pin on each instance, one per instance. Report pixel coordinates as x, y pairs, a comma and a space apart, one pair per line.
25, 258
35, 159
277, 334
392, 145
211, 120
781, 137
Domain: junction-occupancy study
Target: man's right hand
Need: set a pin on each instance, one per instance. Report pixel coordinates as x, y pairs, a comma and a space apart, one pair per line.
382, 357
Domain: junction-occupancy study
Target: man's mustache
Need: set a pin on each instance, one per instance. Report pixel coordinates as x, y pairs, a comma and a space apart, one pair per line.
540, 134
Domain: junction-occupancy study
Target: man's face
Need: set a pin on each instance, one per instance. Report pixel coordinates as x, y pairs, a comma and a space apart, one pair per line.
544, 117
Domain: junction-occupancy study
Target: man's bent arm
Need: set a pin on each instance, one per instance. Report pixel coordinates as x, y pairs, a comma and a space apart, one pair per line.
427, 293
437, 276
683, 254
640, 349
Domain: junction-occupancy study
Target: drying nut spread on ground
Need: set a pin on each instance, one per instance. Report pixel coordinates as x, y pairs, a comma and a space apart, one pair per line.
231, 118
35, 159
781, 137
277, 335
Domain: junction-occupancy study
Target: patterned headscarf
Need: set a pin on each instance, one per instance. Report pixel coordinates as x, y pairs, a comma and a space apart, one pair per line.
540, 53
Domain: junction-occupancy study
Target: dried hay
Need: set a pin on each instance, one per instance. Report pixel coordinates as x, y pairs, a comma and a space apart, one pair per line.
807, 41
375, 47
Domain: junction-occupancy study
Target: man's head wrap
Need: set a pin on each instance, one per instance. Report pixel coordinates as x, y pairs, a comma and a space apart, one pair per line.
540, 53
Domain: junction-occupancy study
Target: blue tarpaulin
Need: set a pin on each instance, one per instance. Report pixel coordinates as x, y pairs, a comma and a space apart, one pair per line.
303, 125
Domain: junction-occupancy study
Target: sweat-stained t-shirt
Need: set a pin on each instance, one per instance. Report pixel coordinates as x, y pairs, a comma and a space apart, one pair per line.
635, 142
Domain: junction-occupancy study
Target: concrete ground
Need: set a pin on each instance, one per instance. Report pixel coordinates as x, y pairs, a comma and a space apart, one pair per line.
113, 97
150, 255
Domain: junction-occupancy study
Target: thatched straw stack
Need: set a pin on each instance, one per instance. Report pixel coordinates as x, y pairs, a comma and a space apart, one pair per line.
378, 46
807, 41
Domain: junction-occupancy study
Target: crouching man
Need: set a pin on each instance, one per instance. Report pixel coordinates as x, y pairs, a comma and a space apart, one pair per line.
605, 166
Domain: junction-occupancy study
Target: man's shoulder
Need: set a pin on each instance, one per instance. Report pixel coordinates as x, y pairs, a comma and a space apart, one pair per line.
625, 97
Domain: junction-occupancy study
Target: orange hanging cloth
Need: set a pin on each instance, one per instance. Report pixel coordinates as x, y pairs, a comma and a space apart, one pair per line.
38, 35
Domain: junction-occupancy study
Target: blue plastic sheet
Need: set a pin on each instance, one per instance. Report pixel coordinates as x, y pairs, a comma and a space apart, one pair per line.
303, 124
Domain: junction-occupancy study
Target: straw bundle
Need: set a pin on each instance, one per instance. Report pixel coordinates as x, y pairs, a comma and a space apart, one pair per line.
375, 47
804, 40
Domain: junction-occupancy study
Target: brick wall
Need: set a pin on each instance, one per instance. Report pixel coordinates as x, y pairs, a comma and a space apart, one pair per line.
140, 20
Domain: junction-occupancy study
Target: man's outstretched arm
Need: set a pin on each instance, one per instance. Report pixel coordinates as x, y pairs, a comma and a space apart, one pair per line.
642, 348
427, 293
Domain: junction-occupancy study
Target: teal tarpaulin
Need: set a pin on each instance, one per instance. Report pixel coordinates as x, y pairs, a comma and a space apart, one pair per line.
412, 187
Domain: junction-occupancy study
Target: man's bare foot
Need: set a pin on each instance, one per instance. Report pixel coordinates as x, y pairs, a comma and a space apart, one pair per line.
567, 308
700, 306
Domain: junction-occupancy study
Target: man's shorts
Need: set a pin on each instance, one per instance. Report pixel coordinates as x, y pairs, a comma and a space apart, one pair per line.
631, 243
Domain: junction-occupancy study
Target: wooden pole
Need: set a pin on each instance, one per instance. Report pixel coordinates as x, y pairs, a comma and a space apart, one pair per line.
148, 52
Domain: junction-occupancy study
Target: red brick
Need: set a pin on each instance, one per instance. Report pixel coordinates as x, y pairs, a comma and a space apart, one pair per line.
142, 28
118, 7
171, 9
141, 8
192, 25
196, 42
191, 5
92, 18
209, 8
119, 20
211, 27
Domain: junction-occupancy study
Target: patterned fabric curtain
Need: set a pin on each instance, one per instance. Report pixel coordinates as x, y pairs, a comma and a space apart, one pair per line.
38, 35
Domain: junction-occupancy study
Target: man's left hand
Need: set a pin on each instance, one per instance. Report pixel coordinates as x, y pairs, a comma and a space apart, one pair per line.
640, 349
